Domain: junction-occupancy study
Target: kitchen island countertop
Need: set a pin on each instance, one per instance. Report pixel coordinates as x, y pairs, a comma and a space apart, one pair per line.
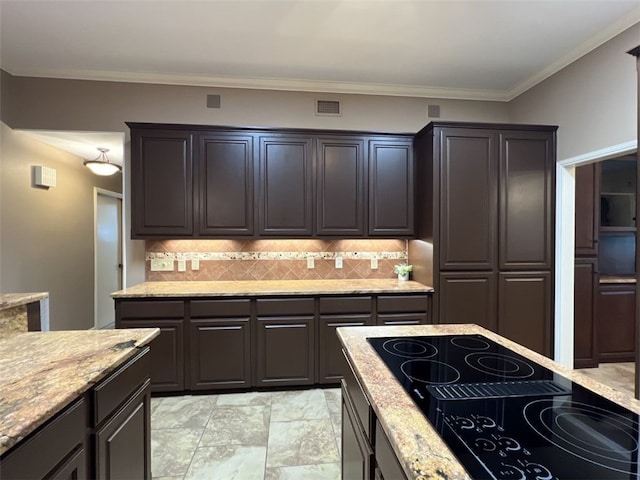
42, 372
270, 287
418, 447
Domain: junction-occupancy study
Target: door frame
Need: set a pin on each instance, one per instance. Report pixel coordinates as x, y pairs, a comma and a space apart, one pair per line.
565, 244
108, 193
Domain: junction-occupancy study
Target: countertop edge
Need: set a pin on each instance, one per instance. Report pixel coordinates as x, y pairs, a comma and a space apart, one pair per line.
7, 442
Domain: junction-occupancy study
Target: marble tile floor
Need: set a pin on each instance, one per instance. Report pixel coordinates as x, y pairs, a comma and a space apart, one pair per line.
619, 376
289, 435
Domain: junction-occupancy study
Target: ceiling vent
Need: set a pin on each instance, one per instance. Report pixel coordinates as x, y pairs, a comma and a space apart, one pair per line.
331, 108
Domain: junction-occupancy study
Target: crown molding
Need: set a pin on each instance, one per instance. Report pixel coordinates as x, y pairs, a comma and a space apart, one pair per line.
315, 86
261, 83
625, 22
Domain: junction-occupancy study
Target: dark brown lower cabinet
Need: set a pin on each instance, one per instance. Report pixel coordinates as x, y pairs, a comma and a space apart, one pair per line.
105, 434
123, 443
468, 297
285, 351
220, 344
167, 349
57, 450
357, 455
586, 293
386, 459
524, 309
403, 309
329, 349
616, 322
121, 421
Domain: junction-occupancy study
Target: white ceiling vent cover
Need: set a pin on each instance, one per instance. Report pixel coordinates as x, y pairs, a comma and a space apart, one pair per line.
331, 108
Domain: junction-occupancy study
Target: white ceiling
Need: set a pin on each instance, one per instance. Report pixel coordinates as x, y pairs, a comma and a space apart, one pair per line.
477, 49
466, 49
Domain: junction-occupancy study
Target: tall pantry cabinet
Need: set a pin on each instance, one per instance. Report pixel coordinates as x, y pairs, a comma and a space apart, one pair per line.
486, 206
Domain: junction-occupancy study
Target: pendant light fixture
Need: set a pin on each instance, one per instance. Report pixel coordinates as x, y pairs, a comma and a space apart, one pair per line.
101, 165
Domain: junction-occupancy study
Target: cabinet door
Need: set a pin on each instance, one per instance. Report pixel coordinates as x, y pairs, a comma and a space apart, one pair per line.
357, 455
220, 353
527, 183
340, 187
285, 351
286, 186
123, 444
330, 361
587, 191
167, 349
225, 168
586, 293
468, 199
167, 353
161, 184
468, 297
525, 309
391, 187
616, 323
57, 450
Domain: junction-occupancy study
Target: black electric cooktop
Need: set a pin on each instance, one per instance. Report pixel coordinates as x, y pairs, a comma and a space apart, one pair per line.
506, 417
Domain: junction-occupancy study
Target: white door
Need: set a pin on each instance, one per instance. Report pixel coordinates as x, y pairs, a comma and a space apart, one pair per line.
108, 255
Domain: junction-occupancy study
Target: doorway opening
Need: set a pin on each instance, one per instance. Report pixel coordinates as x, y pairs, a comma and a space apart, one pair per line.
108, 268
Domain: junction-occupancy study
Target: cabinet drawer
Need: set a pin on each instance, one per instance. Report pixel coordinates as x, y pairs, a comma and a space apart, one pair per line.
150, 309
118, 387
61, 438
360, 304
402, 303
358, 397
285, 306
236, 307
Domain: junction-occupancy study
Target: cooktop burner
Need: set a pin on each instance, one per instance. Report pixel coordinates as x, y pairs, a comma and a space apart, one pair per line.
506, 417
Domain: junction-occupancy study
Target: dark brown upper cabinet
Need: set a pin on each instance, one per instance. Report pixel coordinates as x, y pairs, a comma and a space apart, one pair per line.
468, 199
162, 183
340, 187
527, 173
587, 189
391, 187
225, 171
286, 186
197, 181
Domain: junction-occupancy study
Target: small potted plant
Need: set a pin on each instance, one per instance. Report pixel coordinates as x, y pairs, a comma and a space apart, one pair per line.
402, 270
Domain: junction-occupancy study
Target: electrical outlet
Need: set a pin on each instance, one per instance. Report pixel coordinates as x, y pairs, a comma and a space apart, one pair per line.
182, 265
311, 263
195, 264
374, 263
338, 262
162, 265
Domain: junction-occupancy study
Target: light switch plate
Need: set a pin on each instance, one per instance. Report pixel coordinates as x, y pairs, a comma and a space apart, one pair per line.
311, 263
182, 265
338, 262
374, 263
195, 264
161, 265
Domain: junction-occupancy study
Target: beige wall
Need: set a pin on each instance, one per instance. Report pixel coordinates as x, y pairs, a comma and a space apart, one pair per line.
593, 100
104, 106
47, 235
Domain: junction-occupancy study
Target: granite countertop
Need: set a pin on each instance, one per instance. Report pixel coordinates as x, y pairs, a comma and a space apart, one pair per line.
9, 300
42, 372
270, 287
420, 450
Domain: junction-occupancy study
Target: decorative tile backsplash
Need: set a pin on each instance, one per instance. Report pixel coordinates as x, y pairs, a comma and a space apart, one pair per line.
275, 259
